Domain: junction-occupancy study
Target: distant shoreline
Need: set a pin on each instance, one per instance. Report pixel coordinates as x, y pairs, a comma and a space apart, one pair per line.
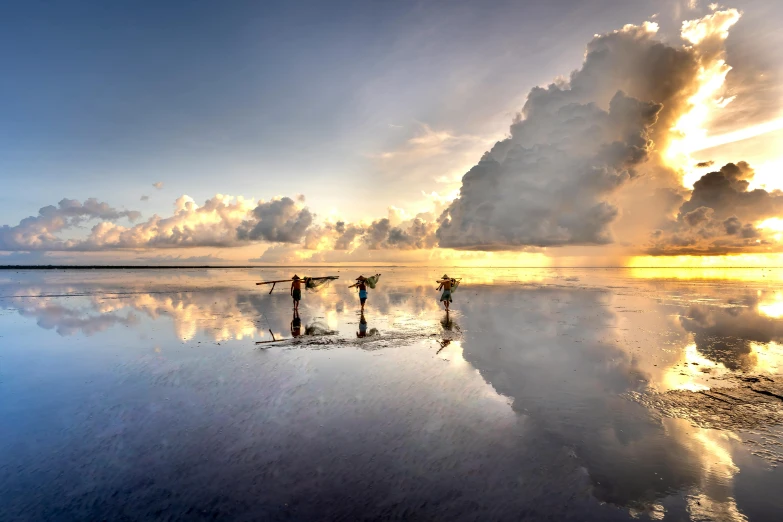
112, 267
218, 267
176, 267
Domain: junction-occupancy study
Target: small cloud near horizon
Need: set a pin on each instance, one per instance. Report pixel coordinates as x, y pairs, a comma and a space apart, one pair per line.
145, 198
158, 185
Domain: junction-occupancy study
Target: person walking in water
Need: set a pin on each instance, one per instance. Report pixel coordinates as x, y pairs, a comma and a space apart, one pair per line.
445, 284
362, 286
296, 291
362, 283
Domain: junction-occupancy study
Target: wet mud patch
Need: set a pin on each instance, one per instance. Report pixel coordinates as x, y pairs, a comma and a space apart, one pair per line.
752, 405
374, 340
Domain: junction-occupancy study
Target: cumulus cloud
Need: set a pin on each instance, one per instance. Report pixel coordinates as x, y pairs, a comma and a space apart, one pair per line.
397, 231
222, 221
721, 216
212, 224
158, 185
546, 184
413, 235
347, 235
333, 236
574, 144
586, 162
40, 232
562, 176
278, 221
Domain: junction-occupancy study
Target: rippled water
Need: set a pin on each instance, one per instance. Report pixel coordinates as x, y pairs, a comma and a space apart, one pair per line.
545, 393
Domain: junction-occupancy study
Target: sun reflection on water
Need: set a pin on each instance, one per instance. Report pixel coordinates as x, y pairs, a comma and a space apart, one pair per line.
688, 373
761, 274
772, 307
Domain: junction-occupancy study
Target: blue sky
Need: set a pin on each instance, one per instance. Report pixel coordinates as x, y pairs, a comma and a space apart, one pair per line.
259, 99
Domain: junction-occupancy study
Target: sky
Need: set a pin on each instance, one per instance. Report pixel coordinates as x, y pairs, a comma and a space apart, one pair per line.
343, 131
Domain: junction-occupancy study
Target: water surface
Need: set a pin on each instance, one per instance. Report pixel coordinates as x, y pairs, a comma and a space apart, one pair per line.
545, 393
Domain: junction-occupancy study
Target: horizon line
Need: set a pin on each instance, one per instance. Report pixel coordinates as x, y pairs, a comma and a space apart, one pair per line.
181, 267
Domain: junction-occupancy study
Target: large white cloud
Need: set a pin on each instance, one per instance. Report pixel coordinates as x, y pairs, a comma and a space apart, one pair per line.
588, 162
541, 192
578, 143
222, 221
278, 221
41, 232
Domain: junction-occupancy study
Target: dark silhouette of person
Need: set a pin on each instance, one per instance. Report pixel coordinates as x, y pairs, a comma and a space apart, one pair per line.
296, 291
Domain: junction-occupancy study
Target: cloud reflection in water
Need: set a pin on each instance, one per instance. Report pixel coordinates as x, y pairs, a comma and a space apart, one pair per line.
562, 350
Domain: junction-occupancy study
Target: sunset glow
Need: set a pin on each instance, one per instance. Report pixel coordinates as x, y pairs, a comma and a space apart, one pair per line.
407, 260
438, 192
709, 142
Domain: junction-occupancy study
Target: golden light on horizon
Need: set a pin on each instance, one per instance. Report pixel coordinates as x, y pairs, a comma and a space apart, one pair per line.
708, 273
479, 259
759, 260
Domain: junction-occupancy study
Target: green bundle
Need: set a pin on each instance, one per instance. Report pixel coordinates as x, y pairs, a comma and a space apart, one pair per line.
372, 280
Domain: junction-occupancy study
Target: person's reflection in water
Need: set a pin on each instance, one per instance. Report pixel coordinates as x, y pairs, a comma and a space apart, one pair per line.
296, 325
447, 323
448, 326
362, 327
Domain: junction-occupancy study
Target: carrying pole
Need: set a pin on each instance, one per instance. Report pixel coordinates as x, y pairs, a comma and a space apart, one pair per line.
303, 279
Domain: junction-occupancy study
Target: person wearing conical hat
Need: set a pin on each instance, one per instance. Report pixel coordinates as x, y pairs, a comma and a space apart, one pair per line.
296, 291
445, 284
362, 286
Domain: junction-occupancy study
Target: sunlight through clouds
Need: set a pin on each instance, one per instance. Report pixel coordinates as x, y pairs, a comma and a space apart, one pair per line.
600, 161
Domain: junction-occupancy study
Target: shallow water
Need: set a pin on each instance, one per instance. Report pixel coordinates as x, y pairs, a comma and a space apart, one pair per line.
546, 393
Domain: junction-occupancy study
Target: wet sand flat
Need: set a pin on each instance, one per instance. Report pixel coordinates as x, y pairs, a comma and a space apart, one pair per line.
561, 394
